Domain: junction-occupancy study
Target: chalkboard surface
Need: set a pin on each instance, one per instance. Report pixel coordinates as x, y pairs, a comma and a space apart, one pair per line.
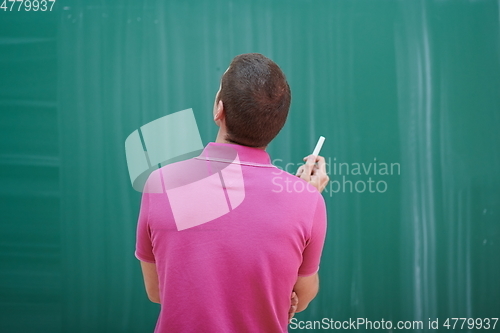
407, 94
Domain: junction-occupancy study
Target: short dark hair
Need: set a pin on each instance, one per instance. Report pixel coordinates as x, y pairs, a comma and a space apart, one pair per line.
256, 98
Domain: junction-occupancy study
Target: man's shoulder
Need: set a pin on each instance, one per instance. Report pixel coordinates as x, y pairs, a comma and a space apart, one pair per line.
180, 173
286, 182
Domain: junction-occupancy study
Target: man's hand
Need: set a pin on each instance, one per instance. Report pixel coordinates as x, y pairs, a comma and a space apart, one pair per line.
314, 172
294, 301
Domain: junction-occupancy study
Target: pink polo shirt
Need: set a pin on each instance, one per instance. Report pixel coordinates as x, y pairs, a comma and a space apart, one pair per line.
229, 234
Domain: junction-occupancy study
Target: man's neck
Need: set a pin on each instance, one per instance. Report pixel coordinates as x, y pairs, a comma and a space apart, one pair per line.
221, 139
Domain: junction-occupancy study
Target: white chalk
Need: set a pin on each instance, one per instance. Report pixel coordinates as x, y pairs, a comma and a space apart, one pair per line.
318, 146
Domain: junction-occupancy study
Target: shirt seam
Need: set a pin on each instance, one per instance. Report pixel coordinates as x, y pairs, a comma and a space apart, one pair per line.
240, 162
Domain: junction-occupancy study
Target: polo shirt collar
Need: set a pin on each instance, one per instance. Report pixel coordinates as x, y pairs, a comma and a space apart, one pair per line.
245, 154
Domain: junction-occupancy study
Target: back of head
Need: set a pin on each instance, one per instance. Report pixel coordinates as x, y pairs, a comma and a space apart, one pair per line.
256, 98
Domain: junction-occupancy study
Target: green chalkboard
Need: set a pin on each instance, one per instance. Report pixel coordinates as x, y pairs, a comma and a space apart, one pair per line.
407, 94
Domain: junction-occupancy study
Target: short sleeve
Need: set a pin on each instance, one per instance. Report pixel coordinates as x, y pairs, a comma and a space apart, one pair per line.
314, 247
143, 246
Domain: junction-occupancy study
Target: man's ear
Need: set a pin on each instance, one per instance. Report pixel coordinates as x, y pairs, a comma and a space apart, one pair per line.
219, 112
